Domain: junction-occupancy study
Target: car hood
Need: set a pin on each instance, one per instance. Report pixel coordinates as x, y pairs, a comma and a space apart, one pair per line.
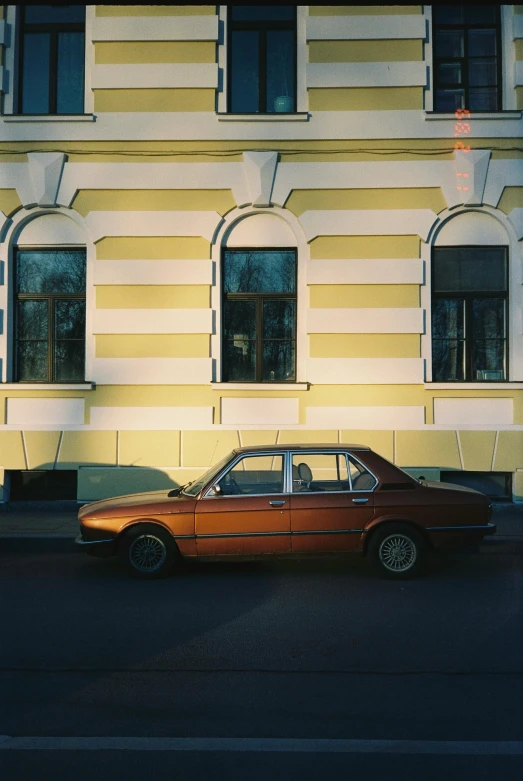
150, 503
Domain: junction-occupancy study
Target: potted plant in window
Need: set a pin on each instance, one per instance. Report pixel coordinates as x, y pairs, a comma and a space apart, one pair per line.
283, 103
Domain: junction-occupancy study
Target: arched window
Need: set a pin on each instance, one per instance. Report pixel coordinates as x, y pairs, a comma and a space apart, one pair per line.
49, 303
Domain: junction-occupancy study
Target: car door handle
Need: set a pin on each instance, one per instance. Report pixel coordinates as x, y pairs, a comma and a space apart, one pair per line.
277, 503
360, 501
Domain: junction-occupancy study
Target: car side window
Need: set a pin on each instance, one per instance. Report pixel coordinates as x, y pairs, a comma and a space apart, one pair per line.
313, 472
254, 475
361, 479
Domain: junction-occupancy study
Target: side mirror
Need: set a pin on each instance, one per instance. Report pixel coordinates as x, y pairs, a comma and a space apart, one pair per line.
216, 490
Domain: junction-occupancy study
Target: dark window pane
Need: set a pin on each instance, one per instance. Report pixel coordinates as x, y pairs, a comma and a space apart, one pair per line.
51, 272
448, 318
488, 360
279, 318
245, 75
483, 73
254, 13
448, 360
447, 14
35, 73
480, 14
32, 320
488, 318
280, 70
69, 360
278, 361
449, 43
259, 272
482, 43
449, 73
32, 361
69, 319
470, 268
70, 87
240, 360
54, 14
483, 99
239, 320
448, 100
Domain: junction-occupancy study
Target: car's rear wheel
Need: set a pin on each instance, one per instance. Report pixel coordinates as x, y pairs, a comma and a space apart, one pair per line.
398, 551
148, 551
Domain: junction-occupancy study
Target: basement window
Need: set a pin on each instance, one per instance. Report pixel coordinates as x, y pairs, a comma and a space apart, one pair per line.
497, 485
43, 485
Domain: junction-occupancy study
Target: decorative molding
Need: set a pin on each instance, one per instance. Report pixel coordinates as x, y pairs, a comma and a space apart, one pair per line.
366, 74
368, 222
516, 218
365, 321
151, 371
364, 28
260, 170
365, 272
264, 412
473, 411
151, 223
471, 167
45, 172
156, 76
153, 272
152, 321
155, 28
26, 412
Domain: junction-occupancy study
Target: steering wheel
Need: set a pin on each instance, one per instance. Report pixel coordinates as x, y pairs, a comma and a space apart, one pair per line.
230, 485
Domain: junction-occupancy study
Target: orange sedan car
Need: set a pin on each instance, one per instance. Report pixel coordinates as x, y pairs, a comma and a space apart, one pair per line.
292, 500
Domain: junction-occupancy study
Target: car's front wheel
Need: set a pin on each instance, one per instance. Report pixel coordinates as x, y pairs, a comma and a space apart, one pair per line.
148, 551
398, 551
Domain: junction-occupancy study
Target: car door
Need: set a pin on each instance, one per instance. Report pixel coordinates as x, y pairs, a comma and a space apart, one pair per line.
328, 510
246, 512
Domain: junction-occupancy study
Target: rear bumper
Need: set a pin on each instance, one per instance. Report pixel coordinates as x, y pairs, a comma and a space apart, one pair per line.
488, 528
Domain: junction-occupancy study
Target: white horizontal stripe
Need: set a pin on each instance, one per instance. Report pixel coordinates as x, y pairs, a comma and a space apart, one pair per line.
153, 272
472, 411
152, 223
358, 28
365, 321
365, 272
151, 418
204, 125
25, 412
155, 28
152, 321
518, 72
366, 74
2, 31
151, 371
370, 418
367, 222
517, 22
278, 745
360, 371
157, 75
260, 411
150, 176
516, 218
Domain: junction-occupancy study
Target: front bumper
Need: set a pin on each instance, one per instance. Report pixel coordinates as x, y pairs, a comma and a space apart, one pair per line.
100, 548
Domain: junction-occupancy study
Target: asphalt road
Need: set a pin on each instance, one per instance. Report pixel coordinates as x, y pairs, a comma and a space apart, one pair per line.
298, 670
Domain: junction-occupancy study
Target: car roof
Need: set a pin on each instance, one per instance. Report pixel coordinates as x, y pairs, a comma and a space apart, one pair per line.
299, 446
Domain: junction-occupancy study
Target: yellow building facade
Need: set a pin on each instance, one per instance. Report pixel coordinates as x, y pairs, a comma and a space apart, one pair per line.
364, 180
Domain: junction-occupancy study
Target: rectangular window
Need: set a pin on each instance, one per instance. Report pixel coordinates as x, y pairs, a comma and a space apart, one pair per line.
467, 57
259, 315
52, 52
262, 59
50, 315
469, 314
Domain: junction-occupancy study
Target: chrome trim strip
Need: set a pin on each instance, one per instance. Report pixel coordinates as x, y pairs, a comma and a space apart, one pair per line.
332, 531
82, 543
281, 534
488, 527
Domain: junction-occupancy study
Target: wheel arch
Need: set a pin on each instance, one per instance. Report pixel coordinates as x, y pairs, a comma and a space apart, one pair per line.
390, 521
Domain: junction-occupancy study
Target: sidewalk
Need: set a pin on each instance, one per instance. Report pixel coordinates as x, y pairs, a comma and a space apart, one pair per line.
58, 521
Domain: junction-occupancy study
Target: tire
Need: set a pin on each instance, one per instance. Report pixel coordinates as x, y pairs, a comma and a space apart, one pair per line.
398, 551
148, 552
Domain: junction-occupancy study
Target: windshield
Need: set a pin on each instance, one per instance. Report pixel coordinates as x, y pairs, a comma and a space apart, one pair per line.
194, 488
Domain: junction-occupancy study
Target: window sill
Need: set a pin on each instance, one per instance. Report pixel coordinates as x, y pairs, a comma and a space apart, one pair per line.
47, 386
278, 386
49, 118
433, 116
294, 117
503, 385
